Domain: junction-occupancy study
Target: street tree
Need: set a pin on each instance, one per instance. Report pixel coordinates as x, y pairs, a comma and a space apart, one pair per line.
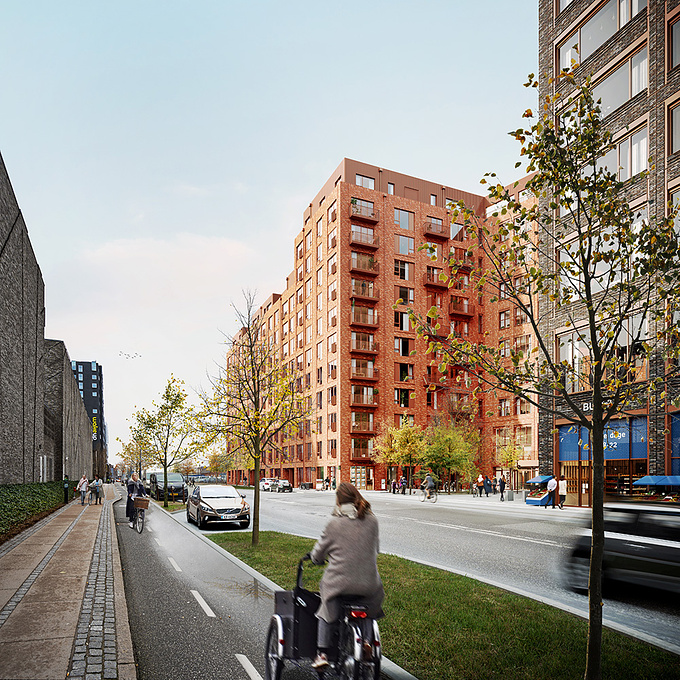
401, 446
582, 260
254, 399
451, 448
169, 429
135, 453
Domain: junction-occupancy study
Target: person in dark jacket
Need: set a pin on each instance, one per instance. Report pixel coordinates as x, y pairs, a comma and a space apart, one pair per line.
350, 544
134, 488
487, 485
501, 486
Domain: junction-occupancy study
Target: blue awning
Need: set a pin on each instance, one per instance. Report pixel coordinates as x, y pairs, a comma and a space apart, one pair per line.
540, 479
658, 480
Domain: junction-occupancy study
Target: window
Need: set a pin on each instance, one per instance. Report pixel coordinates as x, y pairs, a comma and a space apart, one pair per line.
332, 395
300, 251
319, 227
403, 270
597, 30
401, 321
404, 245
403, 372
674, 44
401, 397
522, 406
332, 343
363, 181
407, 295
573, 353
521, 316
403, 218
629, 157
504, 320
319, 301
363, 288
332, 268
402, 347
94, 365
623, 83
319, 377
504, 348
564, 4
523, 435
390, 188
363, 261
332, 448
94, 394
308, 287
523, 344
94, 384
94, 410
362, 234
332, 212
319, 350
433, 199
675, 129
319, 326
363, 368
332, 238
363, 341
332, 290
503, 407
333, 317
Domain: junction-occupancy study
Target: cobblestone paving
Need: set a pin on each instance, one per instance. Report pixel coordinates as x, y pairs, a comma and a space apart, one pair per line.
94, 655
23, 588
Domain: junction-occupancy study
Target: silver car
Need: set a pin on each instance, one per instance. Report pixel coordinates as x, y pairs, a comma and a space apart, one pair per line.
217, 503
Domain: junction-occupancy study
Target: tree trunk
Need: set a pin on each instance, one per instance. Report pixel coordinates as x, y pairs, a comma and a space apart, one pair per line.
594, 649
165, 483
255, 515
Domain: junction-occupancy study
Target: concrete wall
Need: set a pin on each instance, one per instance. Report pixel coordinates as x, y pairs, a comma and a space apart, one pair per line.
72, 437
22, 324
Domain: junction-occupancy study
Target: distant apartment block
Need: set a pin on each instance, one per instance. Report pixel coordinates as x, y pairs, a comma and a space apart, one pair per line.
89, 378
357, 256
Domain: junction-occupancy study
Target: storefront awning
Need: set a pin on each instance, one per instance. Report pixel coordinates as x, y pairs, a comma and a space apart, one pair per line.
540, 479
527, 464
658, 480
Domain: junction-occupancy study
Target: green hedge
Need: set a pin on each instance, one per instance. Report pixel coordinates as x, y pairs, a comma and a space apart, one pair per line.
20, 502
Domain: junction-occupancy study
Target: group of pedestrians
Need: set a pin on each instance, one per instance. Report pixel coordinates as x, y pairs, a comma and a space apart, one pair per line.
560, 487
399, 485
486, 486
94, 487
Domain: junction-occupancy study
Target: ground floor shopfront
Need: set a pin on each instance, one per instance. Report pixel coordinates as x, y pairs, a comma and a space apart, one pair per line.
626, 457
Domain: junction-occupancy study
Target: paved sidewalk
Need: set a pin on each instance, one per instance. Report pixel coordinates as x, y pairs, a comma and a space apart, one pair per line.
63, 611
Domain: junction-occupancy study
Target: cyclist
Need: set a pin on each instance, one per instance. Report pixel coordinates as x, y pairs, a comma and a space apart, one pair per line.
428, 484
350, 544
134, 488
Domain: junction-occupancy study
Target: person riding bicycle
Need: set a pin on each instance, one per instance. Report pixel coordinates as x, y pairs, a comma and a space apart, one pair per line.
350, 543
134, 488
428, 484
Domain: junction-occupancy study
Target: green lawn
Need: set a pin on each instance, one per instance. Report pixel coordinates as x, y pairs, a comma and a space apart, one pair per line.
441, 626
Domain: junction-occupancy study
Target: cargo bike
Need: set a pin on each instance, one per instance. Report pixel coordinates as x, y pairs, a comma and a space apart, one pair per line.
355, 654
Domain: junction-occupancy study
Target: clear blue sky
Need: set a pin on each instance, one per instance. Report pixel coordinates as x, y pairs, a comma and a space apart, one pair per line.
163, 152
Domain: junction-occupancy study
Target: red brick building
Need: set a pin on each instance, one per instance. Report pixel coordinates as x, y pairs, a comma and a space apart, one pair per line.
355, 257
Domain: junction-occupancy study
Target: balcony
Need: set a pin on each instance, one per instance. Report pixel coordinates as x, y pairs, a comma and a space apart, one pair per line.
364, 400
365, 266
362, 212
363, 427
364, 346
433, 229
360, 318
365, 290
459, 259
461, 307
360, 455
365, 240
364, 373
431, 278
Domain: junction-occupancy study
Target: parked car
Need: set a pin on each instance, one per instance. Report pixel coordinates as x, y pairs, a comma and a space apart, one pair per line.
177, 488
641, 547
266, 483
280, 485
217, 503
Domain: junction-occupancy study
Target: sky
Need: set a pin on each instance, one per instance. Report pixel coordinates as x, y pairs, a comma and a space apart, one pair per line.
163, 151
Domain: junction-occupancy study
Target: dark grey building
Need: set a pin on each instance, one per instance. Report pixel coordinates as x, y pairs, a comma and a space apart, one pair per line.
631, 49
68, 430
89, 378
22, 325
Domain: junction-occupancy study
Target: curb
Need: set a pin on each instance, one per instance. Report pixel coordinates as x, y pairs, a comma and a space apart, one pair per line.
387, 667
127, 669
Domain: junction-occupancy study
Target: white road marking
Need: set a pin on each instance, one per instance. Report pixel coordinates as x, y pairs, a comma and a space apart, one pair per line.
174, 564
149, 529
157, 541
488, 532
248, 667
203, 603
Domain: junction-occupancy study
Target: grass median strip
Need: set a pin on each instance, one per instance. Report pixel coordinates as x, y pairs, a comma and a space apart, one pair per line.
441, 626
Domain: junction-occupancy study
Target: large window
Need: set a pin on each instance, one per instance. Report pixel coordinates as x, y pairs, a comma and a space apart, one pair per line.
403, 270
623, 83
674, 44
403, 218
574, 354
675, 129
597, 30
404, 245
363, 181
629, 156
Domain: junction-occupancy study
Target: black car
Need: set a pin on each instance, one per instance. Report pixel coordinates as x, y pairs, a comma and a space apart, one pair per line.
217, 503
641, 547
176, 486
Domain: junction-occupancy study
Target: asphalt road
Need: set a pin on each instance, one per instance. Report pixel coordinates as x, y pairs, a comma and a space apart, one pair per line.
511, 545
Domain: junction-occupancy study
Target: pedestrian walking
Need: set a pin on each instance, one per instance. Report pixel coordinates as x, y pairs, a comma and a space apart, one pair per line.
82, 487
552, 486
480, 485
487, 485
96, 486
562, 491
501, 486
494, 484
327, 483
403, 485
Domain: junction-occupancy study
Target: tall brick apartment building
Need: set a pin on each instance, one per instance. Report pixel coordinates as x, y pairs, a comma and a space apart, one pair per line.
356, 256
632, 50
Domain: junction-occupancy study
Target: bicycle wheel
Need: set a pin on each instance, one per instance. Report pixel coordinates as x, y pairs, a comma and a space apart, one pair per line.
348, 667
139, 524
433, 497
423, 495
273, 663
